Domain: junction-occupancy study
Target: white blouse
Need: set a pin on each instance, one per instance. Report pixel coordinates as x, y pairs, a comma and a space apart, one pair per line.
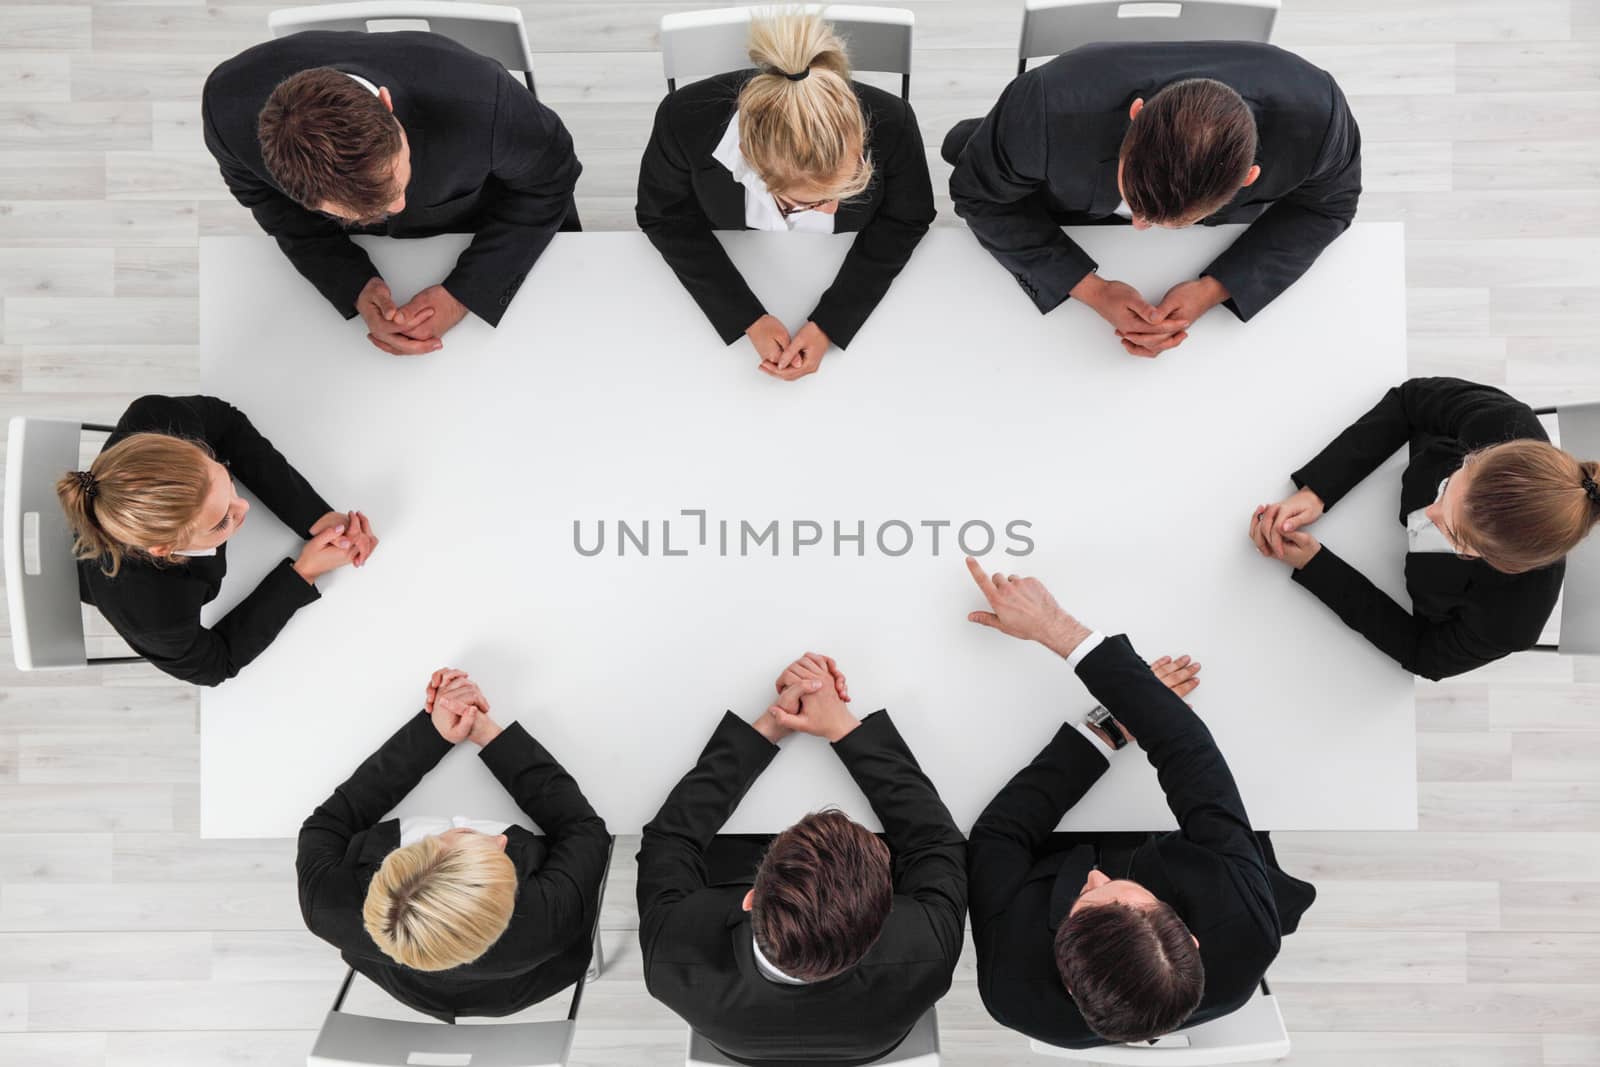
1422, 534
414, 828
761, 212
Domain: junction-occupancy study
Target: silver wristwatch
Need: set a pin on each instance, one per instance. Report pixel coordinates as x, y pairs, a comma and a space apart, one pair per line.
1108, 725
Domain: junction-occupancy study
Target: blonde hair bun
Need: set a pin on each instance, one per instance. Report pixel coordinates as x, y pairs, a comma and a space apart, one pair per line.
145, 490
800, 122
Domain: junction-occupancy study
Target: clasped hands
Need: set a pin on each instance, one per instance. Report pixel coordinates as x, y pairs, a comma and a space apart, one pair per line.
459, 710
414, 329
1278, 530
812, 699
1147, 329
785, 357
338, 538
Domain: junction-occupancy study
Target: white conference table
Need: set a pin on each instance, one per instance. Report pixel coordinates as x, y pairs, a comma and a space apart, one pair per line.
605, 395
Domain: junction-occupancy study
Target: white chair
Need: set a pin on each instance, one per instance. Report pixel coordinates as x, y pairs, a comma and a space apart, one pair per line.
1253, 1034
1050, 27
347, 1040
488, 29
1578, 428
41, 572
919, 1049
699, 43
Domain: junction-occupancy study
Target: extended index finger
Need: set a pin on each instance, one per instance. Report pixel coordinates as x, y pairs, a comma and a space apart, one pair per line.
980, 576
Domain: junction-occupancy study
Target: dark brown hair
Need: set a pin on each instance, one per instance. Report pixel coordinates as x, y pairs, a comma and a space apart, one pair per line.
1527, 505
822, 894
1188, 151
325, 137
1134, 973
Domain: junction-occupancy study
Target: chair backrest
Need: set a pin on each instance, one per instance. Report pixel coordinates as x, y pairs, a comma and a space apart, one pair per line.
1050, 27
488, 29
1253, 1034
41, 573
1579, 427
362, 1041
919, 1049
695, 44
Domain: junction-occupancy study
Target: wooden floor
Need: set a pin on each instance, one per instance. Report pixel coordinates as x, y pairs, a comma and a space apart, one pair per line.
127, 941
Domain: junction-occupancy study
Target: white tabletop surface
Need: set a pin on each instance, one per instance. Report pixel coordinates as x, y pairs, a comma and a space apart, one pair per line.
604, 394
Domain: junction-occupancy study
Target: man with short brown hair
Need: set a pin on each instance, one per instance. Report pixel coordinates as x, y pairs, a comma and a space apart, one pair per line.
1160, 134
1093, 939
325, 134
840, 941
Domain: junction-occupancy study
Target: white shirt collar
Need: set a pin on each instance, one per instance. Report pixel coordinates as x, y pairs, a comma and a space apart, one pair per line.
373, 89
414, 828
1421, 532
771, 972
760, 210
197, 552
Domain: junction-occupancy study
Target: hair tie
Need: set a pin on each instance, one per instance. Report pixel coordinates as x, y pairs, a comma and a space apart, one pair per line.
1591, 489
799, 76
88, 483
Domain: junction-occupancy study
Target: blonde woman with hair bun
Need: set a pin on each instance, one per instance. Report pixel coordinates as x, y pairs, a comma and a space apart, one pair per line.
791, 144
1490, 508
456, 916
152, 517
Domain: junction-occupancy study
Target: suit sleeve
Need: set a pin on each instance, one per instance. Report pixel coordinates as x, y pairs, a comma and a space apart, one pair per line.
994, 186
566, 888
1287, 238
1282, 243
1474, 414
1010, 832
536, 169
670, 215
672, 848
884, 246
930, 855
319, 247
1431, 649
193, 653
261, 467
382, 780
1198, 785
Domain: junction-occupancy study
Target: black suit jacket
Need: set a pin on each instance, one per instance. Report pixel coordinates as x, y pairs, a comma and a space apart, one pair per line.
1046, 156
1216, 873
486, 158
547, 946
697, 940
1464, 612
155, 606
684, 195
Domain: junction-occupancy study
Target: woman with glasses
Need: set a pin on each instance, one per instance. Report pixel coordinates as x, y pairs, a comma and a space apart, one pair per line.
1490, 508
795, 145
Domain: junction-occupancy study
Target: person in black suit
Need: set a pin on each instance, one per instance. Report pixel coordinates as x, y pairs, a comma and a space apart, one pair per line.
463, 919
840, 941
1085, 940
324, 134
151, 518
1161, 134
792, 145
1490, 508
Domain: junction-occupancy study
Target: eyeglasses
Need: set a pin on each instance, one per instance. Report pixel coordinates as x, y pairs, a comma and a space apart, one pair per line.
787, 207
793, 207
